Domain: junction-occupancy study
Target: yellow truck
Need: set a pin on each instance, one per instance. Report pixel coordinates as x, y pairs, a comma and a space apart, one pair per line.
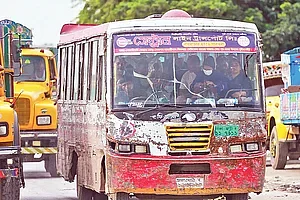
11, 170
36, 107
281, 141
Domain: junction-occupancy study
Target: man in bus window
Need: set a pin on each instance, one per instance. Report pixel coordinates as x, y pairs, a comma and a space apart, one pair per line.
222, 65
193, 64
209, 82
238, 81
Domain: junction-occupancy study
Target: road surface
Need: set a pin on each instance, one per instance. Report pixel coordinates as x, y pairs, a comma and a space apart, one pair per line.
279, 185
40, 186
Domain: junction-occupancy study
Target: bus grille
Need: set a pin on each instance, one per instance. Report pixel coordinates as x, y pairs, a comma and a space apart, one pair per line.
189, 138
23, 110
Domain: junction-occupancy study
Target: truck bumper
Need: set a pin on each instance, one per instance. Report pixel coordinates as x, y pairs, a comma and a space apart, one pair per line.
170, 175
39, 142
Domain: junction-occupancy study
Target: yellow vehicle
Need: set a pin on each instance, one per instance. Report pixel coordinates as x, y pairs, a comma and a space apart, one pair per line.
277, 131
36, 107
11, 171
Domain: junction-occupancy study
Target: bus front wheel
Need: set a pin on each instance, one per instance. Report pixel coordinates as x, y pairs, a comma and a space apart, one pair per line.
278, 150
237, 197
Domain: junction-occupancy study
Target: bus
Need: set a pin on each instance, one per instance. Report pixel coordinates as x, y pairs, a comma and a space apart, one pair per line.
129, 126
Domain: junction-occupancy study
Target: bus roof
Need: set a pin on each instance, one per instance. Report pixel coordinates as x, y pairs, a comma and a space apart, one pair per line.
77, 32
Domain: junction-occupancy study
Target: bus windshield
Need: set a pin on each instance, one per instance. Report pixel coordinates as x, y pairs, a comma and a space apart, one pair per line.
151, 70
33, 69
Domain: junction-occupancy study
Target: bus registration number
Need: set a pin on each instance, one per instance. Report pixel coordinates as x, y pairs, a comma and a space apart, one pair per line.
226, 130
190, 182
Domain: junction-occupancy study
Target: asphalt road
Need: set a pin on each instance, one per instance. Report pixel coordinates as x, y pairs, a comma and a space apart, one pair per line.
40, 186
279, 185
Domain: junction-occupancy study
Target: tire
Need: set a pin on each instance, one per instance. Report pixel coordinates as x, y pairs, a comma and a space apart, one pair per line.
237, 197
50, 165
278, 150
10, 189
122, 196
293, 157
84, 193
99, 196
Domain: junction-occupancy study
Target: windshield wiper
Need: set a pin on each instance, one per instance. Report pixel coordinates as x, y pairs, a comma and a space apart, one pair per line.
157, 107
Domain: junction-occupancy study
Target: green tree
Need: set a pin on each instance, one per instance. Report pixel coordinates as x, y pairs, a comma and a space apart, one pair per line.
277, 20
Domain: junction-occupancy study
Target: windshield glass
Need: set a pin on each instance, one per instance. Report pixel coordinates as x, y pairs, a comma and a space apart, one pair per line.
186, 69
33, 69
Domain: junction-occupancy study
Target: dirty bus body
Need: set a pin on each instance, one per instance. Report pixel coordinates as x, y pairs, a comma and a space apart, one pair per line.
11, 171
154, 144
36, 107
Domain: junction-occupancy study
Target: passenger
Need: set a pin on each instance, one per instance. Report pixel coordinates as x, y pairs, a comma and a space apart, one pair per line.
193, 64
119, 65
209, 82
222, 65
141, 86
124, 91
238, 81
180, 65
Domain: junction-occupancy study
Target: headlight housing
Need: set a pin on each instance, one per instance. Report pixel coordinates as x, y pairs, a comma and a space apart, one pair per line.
43, 120
252, 146
3, 129
132, 148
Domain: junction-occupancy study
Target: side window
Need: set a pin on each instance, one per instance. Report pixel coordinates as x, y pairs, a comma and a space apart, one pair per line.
69, 73
76, 72
63, 67
89, 70
93, 71
52, 66
85, 71
100, 67
81, 72
99, 77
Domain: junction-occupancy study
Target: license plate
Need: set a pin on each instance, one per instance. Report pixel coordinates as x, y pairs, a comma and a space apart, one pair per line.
36, 143
190, 182
226, 130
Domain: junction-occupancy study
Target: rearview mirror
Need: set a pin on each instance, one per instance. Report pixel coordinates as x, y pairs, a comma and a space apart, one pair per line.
16, 53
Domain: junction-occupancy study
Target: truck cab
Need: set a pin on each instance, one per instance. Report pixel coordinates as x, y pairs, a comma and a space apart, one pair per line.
36, 107
11, 169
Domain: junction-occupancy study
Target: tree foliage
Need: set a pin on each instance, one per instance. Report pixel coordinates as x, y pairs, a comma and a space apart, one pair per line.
277, 20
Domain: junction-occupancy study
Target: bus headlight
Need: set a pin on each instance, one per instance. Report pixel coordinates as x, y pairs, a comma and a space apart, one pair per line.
236, 148
133, 148
124, 148
3, 130
140, 149
252, 146
43, 120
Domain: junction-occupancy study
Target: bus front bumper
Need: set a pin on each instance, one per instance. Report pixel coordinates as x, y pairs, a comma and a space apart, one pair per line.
185, 175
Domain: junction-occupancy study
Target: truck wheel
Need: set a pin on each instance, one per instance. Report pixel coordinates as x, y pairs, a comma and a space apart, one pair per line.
10, 189
122, 196
50, 165
293, 157
237, 197
84, 193
278, 150
100, 196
